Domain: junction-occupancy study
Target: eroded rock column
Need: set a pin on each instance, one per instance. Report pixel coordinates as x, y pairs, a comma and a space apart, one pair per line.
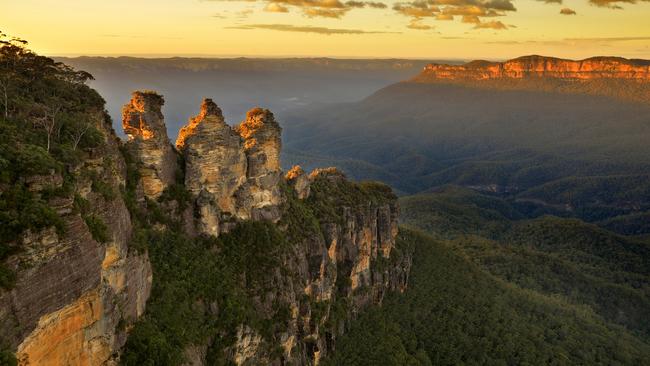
215, 165
143, 123
262, 144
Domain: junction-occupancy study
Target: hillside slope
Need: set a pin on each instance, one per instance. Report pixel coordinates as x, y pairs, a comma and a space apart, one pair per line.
568, 258
455, 313
551, 142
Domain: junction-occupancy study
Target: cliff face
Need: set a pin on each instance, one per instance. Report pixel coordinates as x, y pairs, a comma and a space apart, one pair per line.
543, 67
331, 273
298, 255
74, 296
613, 77
339, 254
144, 125
234, 173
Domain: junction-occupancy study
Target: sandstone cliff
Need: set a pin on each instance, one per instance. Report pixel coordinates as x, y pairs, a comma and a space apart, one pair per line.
144, 126
615, 77
265, 268
233, 173
332, 241
76, 294
544, 67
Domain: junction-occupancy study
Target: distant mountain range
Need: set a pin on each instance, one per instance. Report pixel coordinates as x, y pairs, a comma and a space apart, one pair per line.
569, 138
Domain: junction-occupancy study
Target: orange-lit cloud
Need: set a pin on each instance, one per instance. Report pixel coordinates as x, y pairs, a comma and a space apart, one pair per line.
567, 11
494, 24
417, 25
321, 8
276, 8
306, 29
468, 11
612, 4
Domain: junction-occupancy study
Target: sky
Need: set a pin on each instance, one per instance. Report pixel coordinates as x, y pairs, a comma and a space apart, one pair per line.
424, 29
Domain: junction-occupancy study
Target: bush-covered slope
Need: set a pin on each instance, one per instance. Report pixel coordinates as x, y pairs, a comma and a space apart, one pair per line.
455, 313
582, 263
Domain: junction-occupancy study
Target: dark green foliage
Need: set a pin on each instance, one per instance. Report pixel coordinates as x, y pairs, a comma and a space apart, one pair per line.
176, 192
192, 274
570, 154
104, 189
97, 228
47, 121
556, 256
330, 191
7, 358
453, 313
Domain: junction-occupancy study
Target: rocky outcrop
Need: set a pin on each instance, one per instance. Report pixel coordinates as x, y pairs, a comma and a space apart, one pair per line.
215, 165
233, 173
261, 134
300, 182
144, 126
543, 67
333, 272
74, 296
78, 293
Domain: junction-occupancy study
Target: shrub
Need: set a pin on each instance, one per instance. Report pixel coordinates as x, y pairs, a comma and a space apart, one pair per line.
97, 228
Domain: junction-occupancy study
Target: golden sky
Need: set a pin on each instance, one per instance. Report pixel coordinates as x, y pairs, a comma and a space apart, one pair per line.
466, 29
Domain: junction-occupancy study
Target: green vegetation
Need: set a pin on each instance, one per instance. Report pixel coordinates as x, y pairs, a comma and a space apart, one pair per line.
7, 358
567, 154
454, 313
97, 228
48, 120
580, 262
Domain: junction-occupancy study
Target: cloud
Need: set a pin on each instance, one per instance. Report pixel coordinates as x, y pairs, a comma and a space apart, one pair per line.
551, 1
609, 39
612, 4
305, 29
497, 25
469, 11
567, 11
415, 24
323, 8
275, 8
376, 5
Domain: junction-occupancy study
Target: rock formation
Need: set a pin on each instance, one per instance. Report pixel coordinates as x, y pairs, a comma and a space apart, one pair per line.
144, 126
333, 271
546, 67
75, 297
261, 134
297, 178
215, 165
234, 174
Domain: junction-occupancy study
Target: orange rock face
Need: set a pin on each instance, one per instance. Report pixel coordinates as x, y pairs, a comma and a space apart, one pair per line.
547, 67
71, 336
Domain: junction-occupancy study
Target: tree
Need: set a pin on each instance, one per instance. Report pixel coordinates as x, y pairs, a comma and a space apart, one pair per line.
11, 51
48, 121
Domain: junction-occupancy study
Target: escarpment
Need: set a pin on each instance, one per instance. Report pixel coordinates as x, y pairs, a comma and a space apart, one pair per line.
612, 77
330, 244
78, 285
546, 67
203, 254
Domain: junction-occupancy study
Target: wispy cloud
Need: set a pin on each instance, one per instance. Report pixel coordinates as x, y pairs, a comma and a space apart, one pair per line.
609, 39
417, 25
306, 29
